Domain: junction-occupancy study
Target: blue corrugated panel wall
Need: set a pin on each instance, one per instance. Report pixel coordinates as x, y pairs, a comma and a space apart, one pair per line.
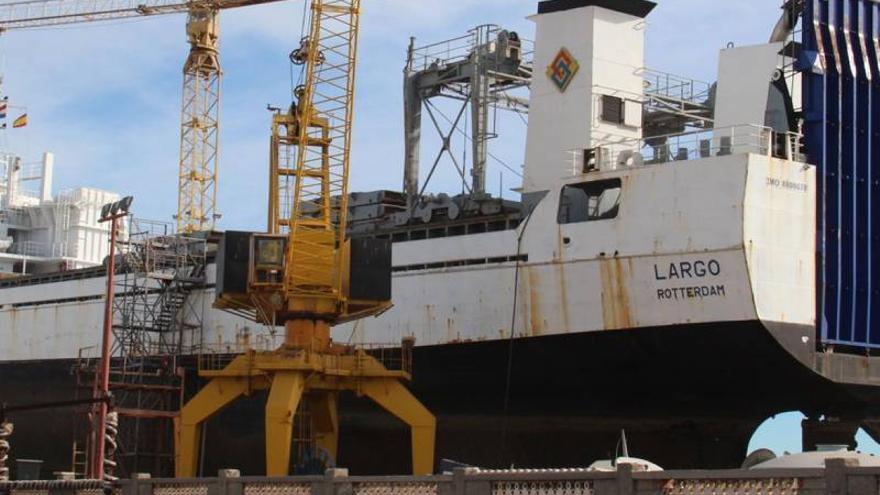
841, 67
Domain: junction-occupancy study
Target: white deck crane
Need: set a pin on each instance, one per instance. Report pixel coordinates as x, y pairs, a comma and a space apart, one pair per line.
200, 111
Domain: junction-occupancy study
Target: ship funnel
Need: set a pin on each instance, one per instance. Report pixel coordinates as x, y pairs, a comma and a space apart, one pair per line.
588, 86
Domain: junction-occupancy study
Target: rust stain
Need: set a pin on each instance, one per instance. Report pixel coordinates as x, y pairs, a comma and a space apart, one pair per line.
750, 254
560, 245
534, 301
563, 295
429, 314
450, 330
616, 312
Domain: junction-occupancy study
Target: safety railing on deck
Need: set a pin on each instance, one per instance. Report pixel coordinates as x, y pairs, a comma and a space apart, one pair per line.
675, 88
459, 49
838, 477
40, 249
216, 356
693, 145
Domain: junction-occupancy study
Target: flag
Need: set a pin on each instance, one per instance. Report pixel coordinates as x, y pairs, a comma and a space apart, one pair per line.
4, 103
20, 122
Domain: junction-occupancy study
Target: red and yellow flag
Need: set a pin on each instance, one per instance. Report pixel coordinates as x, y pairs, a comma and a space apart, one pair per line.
20, 122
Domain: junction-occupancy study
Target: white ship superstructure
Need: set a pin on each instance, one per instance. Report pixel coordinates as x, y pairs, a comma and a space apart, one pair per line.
622, 231
42, 233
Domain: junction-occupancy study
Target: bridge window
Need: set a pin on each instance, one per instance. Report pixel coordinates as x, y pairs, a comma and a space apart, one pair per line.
590, 201
613, 109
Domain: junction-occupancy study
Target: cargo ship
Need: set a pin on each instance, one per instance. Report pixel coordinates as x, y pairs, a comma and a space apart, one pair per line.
685, 261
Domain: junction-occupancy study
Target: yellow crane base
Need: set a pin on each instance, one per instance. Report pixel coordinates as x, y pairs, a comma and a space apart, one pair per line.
292, 376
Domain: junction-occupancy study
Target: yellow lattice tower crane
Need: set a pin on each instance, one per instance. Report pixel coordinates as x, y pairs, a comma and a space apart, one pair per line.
306, 274
200, 124
200, 113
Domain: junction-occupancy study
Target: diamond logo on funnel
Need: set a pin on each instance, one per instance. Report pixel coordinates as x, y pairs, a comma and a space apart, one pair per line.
563, 69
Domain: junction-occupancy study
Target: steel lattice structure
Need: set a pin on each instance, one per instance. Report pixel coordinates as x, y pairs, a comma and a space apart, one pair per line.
200, 126
318, 206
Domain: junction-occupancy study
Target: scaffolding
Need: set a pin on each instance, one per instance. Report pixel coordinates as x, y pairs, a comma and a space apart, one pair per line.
153, 315
157, 327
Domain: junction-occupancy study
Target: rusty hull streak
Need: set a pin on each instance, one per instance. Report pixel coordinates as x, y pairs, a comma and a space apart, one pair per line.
450, 331
533, 283
560, 245
429, 315
616, 311
563, 296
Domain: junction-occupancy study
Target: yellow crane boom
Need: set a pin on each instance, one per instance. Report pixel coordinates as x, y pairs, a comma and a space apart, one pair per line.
200, 110
43, 13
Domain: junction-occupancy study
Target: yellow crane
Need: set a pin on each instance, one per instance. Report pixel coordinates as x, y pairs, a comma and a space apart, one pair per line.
306, 275
303, 273
200, 111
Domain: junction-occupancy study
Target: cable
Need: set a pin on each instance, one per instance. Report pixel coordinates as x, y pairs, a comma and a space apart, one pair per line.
302, 24
302, 34
292, 84
512, 339
89, 24
466, 136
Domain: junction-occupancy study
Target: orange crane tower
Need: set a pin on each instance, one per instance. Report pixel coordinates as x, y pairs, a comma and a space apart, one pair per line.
200, 110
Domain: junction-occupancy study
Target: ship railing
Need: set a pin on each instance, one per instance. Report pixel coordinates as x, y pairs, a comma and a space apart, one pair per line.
460, 49
214, 356
157, 347
673, 87
172, 254
442, 53
145, 228
395, 357
39, 249
694, 145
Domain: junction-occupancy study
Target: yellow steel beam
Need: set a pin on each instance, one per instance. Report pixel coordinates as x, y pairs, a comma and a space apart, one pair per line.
216, 395
318, 376
392, 396
28, 14
284, 397
325, 421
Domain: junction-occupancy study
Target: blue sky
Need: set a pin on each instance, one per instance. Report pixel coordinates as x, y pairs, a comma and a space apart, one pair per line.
783, 434
105, 98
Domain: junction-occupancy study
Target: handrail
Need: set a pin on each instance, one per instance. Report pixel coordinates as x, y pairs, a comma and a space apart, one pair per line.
692, 145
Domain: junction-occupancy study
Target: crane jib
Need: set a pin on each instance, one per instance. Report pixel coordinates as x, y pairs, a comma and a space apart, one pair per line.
46, 13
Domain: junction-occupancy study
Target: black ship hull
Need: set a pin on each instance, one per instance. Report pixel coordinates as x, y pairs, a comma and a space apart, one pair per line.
687, 397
